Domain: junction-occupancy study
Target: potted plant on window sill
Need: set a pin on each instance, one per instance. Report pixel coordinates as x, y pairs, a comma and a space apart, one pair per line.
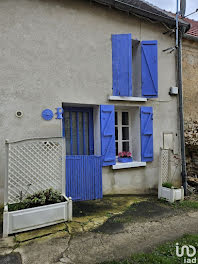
125, 157
170, 193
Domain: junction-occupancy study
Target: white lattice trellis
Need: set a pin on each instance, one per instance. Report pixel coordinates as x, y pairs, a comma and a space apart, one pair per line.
33, 165
164, 165
169, 194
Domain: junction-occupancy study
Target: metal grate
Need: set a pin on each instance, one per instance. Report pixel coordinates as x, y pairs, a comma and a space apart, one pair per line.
33, 165
164, 165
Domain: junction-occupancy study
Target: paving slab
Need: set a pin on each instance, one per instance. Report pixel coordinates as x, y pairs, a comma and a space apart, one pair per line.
13, 258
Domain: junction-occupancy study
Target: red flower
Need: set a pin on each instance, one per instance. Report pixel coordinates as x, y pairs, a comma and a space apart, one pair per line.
124, 154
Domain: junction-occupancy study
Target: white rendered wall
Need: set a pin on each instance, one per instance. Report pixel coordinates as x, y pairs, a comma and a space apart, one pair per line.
60, 51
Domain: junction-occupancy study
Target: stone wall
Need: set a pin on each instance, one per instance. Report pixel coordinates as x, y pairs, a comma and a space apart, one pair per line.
190, 88
190, 79
191, 137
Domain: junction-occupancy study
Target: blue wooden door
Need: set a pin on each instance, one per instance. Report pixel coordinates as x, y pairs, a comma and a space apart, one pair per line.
83, 169
84, 177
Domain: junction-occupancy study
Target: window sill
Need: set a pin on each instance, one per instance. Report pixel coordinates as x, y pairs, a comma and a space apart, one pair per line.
133, 164
127, 98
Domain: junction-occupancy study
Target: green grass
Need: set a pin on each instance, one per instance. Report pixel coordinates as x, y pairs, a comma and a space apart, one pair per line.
164, 254
188, 204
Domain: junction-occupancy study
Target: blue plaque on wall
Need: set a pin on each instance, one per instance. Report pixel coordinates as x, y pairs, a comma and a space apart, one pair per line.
47, 114
59, 113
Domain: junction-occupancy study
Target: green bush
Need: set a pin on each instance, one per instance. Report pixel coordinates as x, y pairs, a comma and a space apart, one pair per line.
39, 198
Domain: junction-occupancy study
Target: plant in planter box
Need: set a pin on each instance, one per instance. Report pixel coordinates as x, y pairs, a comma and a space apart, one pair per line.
45, 197
170, 193
43, 208
167, 185
125, 157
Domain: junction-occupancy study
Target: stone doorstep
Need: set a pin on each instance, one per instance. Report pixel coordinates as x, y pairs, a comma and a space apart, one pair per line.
41, 232
59, 234
66, 228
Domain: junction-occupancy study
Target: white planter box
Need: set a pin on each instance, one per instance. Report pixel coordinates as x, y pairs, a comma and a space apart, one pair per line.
37, 217
171, 194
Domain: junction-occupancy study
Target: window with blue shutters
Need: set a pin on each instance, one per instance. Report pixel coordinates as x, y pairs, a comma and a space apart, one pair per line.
107, 126
122, 64
134, 132
149, 69
146, 133
142, 57
123, 127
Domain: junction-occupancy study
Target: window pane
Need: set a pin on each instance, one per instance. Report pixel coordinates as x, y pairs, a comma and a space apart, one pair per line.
77, 132
80, 120
86, 131
74, 134
67, 133
116, 133
116, 118
116, 148
125, 118
125, 146
125, 133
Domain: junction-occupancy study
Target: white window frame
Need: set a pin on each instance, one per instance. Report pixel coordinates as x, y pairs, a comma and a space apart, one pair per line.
119, 126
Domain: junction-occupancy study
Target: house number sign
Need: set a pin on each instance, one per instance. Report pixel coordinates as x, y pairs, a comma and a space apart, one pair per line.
48, 114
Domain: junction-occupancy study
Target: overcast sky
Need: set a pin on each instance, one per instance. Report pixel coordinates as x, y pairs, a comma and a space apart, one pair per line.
170, 5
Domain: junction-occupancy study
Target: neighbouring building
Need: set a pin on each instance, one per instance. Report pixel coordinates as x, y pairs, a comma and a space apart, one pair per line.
102, 63
190, 88
190, 73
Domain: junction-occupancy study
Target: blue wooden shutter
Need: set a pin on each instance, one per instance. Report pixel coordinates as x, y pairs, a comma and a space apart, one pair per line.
107, 126
149, 68
122, 64
147, 133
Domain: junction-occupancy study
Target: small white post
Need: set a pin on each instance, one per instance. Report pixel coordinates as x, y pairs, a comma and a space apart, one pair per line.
69, 211
5, 224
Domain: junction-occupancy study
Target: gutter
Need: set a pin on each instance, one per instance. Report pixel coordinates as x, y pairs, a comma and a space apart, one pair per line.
120, 5
189, 37
181, 112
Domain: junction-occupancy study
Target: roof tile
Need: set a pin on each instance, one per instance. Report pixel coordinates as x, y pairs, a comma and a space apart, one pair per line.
193, 31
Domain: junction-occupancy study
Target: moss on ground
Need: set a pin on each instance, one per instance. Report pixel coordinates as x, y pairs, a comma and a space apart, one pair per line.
108, 215
107, 206
87, 216
152, 209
